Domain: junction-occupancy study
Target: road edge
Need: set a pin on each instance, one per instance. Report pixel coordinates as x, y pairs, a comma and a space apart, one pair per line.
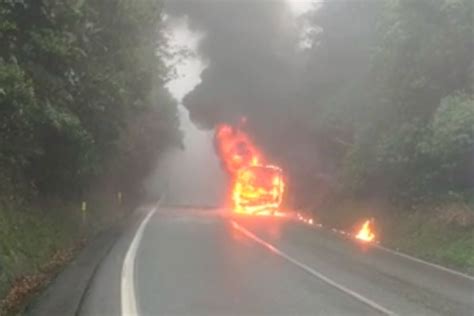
395, 252
59, 297
128, 302
91, 277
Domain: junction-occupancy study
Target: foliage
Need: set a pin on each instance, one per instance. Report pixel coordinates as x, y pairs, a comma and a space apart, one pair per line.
73, 75
35, 244
447, 149
28, 238
431, 238
77, 79
17, 120
394, 89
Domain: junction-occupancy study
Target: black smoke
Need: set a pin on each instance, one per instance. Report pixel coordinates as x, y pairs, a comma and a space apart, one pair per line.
257, 69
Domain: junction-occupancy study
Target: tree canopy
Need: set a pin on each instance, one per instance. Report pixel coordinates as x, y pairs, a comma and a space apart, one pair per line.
75, 79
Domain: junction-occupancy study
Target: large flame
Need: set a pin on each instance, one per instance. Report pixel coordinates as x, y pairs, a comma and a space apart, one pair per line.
257, 187
366, 232
236, 150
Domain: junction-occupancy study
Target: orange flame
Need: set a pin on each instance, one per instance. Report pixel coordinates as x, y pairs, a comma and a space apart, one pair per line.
366, 231
257, 188
235, 149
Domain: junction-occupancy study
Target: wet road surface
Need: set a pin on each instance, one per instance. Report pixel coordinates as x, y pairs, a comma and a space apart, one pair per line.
202, 262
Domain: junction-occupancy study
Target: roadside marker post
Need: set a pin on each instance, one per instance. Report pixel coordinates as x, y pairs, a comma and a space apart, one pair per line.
121, 210
83, 211
119, 197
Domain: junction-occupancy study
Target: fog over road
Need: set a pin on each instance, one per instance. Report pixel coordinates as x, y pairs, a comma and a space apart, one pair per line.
202, 262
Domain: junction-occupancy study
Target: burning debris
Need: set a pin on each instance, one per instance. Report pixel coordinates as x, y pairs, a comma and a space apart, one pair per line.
257, 187
366, 232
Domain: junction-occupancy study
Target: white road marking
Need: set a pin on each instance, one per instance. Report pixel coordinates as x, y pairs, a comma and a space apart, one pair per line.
313, 272
433, 265
127, 288
377, 245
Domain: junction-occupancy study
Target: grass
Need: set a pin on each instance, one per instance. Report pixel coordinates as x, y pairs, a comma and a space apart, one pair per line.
32, 238
28, 239
430, 238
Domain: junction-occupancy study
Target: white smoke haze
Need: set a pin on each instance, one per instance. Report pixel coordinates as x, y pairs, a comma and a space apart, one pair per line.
192, 175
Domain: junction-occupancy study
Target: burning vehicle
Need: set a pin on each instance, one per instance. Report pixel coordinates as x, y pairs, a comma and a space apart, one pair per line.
258, 190
257, 187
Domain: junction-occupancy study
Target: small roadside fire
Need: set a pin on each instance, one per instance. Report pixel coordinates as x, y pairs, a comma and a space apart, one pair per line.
366, 232
257, 187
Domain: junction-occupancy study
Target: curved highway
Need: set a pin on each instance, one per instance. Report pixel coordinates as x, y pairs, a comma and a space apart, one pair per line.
181, 261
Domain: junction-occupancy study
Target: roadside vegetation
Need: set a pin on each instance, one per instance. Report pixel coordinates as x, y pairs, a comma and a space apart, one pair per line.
396, 122
439, 232
84, 116
436, 239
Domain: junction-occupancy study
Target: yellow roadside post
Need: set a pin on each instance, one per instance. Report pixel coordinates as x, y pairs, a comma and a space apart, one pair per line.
83, 212
119, 202
119, 197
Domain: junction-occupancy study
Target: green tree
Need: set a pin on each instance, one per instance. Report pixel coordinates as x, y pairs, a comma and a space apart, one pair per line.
423, 53
74, 75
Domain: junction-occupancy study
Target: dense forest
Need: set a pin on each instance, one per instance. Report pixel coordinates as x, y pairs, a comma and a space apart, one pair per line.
395, 96
84, 116
76, 80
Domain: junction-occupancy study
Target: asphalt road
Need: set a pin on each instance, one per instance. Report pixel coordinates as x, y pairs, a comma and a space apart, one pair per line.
202, 262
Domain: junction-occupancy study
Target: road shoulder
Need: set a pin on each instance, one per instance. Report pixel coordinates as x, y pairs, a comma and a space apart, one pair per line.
65, 294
